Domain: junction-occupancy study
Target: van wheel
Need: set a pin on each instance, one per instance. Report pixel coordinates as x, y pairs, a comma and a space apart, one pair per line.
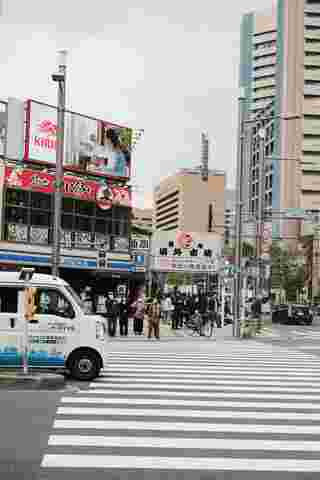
84, 366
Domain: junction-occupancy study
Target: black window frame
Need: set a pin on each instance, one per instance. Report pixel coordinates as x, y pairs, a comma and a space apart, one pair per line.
117, 218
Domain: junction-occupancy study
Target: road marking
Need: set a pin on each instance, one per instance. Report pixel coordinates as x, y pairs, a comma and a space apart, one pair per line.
211, 376
214, 381
197, 394
181, 389
212, 363
206, 370
184, 443
179, 463
310, 347
215, 355
191, 413
190, 403
186, 427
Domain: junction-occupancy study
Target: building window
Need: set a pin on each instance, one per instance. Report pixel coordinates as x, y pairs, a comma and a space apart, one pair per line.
29, 219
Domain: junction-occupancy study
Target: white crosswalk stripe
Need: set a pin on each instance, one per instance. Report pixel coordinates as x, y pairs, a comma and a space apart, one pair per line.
190, 408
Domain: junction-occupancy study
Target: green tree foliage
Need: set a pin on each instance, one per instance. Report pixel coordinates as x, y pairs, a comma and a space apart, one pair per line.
177, 279
248, 250
287, 272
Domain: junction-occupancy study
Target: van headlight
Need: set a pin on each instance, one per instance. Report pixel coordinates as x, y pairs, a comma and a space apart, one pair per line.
100, 331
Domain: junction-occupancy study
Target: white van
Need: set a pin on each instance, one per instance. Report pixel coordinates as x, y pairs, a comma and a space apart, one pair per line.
61, 335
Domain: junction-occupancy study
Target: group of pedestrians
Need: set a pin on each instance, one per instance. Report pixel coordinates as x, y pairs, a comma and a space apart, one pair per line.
119, 311
178, 310
181, 309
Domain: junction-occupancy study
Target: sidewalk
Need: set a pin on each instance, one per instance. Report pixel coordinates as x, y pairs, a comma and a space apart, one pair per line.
166, 330
17, 380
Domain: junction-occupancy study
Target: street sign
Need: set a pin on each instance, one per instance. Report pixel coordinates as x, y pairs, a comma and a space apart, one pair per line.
102, 258
295, 213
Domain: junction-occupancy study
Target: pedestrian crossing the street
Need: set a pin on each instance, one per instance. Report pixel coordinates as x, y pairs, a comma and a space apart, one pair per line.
191, 411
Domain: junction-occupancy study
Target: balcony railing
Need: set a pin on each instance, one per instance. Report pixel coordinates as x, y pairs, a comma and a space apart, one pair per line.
312, 60
264, 51
312, 47
312, 90
313, 75
264, 72
313, 21
311, 144
313, 34
315, 8
265, 61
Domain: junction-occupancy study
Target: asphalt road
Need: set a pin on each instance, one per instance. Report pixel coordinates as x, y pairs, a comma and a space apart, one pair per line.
191, 410
25, 422
296, 337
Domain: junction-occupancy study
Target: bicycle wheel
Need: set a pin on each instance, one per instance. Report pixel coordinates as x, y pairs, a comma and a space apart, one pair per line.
212, 330
207, 329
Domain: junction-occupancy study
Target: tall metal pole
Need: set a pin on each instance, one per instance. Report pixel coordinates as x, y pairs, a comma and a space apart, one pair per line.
60, 78
239, 187
260, 222
149, 267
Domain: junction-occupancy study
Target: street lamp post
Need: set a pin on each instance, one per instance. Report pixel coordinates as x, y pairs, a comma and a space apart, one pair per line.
260, 223
239, 180
60, 78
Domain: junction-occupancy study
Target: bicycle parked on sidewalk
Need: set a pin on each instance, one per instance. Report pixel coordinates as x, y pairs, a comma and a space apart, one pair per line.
202, 325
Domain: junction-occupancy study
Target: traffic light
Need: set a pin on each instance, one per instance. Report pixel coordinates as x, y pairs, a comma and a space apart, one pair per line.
29, 304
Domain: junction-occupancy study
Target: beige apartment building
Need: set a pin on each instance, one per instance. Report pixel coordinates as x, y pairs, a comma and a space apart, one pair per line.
185, 202
143, 217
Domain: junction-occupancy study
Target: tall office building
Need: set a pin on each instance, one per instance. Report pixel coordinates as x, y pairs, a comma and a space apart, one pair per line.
185, 202
280, 75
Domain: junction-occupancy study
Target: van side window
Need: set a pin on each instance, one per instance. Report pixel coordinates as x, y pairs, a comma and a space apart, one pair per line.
52, 302
9, 300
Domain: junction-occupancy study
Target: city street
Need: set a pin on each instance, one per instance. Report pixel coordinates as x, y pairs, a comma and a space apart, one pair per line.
26, 419
297, 337
191, 410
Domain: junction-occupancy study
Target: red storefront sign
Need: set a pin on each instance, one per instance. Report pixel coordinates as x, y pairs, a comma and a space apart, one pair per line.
90, 190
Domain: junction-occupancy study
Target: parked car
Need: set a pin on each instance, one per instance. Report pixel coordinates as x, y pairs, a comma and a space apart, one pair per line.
294, 314
280, 313
300, 314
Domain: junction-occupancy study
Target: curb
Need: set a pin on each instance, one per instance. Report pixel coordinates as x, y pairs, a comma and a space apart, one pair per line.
35, 381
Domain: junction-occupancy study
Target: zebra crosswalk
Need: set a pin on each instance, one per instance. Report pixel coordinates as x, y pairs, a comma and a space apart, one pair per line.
162, 410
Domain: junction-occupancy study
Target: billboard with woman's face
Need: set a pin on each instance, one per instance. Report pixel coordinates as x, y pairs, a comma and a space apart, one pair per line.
91, 145
111, 154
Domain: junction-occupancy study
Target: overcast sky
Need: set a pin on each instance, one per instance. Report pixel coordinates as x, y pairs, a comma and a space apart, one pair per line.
170, 67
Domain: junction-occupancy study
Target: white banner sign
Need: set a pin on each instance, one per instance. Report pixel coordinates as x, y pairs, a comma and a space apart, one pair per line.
183, 264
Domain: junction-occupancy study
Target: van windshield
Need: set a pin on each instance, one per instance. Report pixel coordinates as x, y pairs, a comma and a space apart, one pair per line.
75, 296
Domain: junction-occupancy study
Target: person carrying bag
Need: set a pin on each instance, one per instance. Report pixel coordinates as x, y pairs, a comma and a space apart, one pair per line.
138, 316
154, 319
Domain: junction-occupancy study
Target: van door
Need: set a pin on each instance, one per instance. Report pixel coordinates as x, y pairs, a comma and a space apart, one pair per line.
11, 327
54, 331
